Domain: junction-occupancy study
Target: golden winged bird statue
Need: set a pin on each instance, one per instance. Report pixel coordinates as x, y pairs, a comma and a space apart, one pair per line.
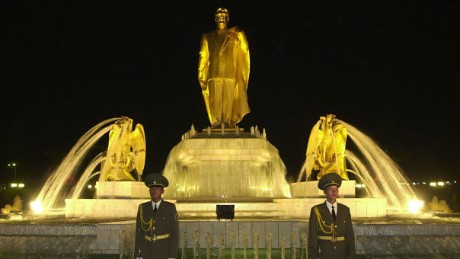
126, 152
326, 149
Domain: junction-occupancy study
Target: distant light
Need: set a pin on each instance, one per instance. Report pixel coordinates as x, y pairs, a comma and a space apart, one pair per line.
415, 206
413, 183
36, 206
447, 183
17, 185
360, 185
440, 183
90, 186
423, 182
433, 184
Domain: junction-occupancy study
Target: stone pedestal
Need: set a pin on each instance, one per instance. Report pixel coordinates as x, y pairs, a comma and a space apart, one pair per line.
309, 189
114, 199
122, 189
102, 208
221, 167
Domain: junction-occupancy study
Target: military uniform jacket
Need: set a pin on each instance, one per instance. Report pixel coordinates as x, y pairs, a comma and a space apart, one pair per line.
152, 229
343, 246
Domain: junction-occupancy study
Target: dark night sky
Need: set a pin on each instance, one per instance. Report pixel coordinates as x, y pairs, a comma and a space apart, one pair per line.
389, 68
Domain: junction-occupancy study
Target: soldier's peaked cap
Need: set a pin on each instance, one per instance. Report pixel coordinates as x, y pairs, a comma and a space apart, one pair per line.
328, 180
156, 179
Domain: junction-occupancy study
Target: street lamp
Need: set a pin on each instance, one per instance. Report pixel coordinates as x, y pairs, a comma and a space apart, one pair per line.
13, 165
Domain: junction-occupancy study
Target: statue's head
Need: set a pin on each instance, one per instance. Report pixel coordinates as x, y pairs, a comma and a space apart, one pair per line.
222, 16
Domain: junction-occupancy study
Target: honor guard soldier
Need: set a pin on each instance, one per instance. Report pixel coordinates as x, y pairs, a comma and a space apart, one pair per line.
157, 225
330, 227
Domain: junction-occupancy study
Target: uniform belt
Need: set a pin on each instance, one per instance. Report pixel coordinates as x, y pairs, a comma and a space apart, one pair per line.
156, 237
332, 239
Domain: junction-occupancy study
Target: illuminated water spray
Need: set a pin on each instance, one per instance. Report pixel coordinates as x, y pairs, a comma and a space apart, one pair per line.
125, 153
381, 176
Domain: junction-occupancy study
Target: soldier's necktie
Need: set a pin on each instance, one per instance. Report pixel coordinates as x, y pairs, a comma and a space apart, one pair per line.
155, 209
333, 212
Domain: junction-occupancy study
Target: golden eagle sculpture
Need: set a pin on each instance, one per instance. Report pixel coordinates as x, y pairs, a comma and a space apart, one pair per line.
126, 152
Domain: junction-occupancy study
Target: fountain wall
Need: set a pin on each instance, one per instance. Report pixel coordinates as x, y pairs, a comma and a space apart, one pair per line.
294, 208
397, 238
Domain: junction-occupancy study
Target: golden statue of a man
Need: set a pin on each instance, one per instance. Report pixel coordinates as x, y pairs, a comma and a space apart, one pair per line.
223, 72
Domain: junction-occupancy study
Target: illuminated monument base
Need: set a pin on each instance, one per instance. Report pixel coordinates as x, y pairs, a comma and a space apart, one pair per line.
223, 168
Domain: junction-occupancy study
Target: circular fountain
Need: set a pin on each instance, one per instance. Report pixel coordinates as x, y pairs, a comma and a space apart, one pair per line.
273, 213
